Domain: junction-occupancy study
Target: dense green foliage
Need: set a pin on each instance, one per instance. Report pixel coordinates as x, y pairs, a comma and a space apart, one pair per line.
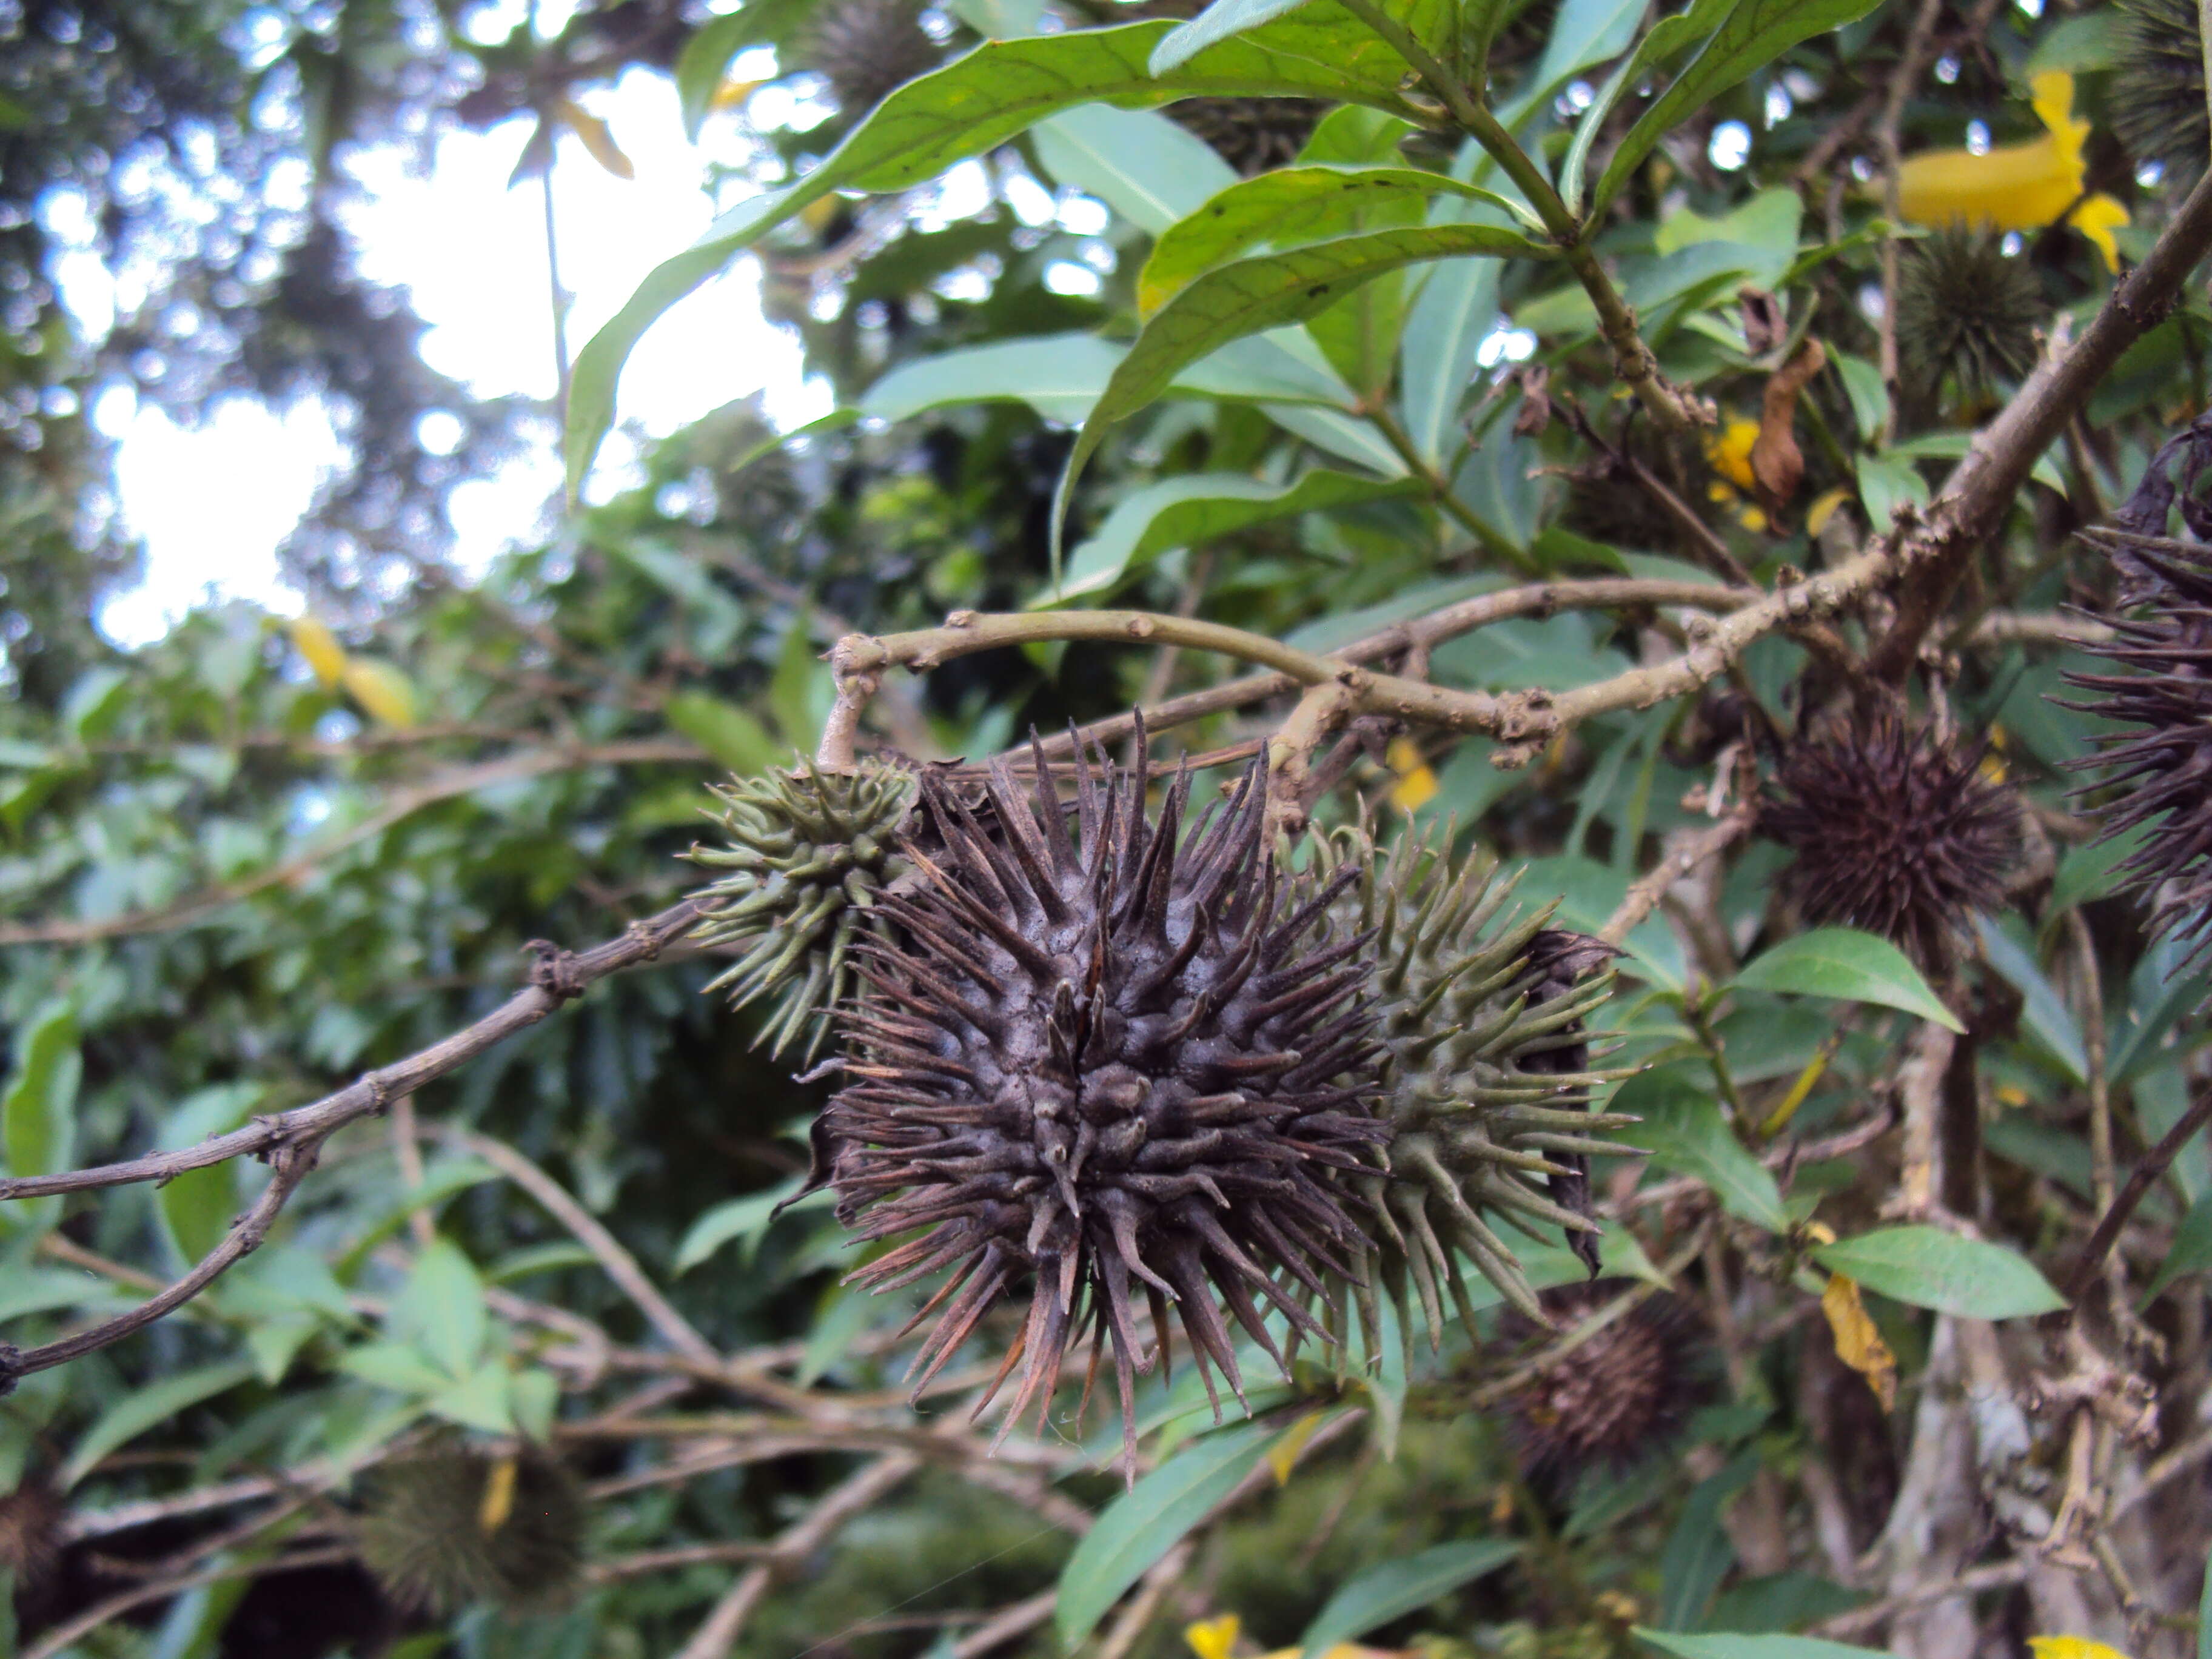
1377, 363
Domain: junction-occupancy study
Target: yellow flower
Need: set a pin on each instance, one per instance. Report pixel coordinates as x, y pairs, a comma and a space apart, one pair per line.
1730, 451
1416, 783
2071, 1647
2019, 186
1213, 1638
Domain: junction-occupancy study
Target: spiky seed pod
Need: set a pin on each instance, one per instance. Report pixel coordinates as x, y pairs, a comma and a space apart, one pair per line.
867, 50
1105, 1063
30, 1531
2157, 96
1896, 831
2163, 767
459, 1525
807, 852
1484, 1072
1964, 309
1250, 134
1614, 1399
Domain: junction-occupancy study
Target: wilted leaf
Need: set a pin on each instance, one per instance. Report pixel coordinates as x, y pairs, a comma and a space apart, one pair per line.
1858, 1342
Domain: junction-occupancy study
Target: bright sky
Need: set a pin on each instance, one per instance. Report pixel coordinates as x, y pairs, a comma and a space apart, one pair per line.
212, 503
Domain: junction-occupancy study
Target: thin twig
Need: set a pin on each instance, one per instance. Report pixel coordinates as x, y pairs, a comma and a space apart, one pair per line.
2140, 1181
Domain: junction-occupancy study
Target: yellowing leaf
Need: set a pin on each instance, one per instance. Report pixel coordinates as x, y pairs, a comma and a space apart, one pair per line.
732, 93
322, 650
498, 1497
2072, 1647
1858, 1343
1416, 783
1213, 1638
1816, 516
385, 694
1283, 1456
595, 138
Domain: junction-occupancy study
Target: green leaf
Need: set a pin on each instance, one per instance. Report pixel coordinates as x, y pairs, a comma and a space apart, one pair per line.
1248, 296
1200, 508
1454, 313
197, 1207
95, 703
2139, 1044
147, 1407
802, 689
1699, 1553
2042, 1009
440, 1181
478, 1400
1683, 1127
1660, 44
1319, 202
1059, 375
969, 107
38, 1114
30, 1290
1144, 1523
1719, 1645
1583, 33
742, 1219
1141, 165
2204, 1615
1850, 966
1392, 1588
705, 59
1220, 21
1929, 1267
1863, 388
441, 1309
728, 733
1752, 35
395, 1366
2091, 873
2191, 1252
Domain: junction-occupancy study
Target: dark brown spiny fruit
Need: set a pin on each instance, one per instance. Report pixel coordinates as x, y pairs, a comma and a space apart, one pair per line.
2157, 93
1896, 831
1250, 134
461, 1524
1615, 1398
2161, 769
1966, 310
867, 50
30, 1531
1106, 1064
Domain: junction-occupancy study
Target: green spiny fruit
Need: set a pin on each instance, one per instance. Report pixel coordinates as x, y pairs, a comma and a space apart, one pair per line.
459, 1525
807, 854
1484, 1075
2157, 96
1965, 309
867, 49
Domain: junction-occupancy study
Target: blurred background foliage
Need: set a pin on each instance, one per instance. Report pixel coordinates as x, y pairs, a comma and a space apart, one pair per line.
242, 863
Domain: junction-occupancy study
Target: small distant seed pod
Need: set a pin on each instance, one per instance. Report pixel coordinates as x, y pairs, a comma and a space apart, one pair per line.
30, 1530
1896, 832
2157, 94
461, 1525
1614, 1399
1251, 134
867, 49
1485, 1078
1965, 310
805, 854
1107, 1062
2161, 771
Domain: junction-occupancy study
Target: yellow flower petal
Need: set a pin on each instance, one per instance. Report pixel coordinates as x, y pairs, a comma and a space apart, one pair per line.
1213, 1638
2015, 187
1729, 452
2097, 219
322, 650
2072, 1647
1417, 784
